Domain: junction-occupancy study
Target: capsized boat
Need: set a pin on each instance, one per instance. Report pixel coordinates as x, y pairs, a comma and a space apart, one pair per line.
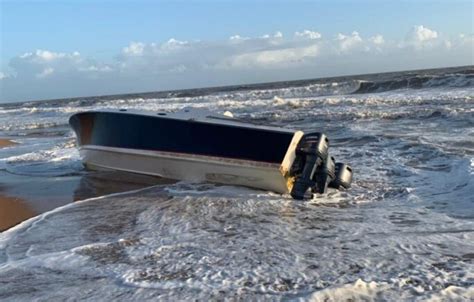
200, 146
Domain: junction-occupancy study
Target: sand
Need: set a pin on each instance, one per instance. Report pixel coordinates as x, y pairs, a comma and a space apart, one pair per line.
6, 143
13, 210
22, 196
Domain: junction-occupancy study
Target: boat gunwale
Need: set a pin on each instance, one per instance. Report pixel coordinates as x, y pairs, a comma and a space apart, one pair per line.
188, 117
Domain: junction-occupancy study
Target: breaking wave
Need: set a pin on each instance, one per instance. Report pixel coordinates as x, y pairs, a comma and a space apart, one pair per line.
58, 157
418, 82
202, 242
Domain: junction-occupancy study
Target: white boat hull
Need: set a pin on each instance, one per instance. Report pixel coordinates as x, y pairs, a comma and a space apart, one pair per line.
194, 168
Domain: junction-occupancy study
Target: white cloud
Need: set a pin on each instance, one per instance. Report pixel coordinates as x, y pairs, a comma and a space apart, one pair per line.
237, 38
134, 49
276, 35
421, 37
176, 63
48, 55
96, 68
377, 39
348, 42
274, 58
46, 72
422, 34
308, 34
173, 42
40, 64
466, 38
45, 55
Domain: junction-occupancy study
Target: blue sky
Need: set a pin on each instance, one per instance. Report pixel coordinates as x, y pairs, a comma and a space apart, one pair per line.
43, 42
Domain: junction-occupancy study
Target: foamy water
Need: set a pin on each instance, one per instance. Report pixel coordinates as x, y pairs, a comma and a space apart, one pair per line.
404, 231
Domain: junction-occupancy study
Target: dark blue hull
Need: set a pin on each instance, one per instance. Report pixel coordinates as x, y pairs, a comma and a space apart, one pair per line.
188, 136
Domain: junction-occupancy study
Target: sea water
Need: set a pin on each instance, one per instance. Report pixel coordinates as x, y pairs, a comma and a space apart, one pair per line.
404, 231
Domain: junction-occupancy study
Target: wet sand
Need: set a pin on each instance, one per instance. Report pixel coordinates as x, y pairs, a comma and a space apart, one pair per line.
23, 197
6, 143
13, 210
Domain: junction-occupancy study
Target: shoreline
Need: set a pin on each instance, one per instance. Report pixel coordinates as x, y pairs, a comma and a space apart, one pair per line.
14, 210
26, 196
6, 143
23, 197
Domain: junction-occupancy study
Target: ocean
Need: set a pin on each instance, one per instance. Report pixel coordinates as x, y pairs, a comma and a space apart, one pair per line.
404, 231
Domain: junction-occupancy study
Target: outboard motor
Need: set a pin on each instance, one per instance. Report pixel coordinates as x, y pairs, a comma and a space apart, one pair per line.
325, 175
343, 176
311, 158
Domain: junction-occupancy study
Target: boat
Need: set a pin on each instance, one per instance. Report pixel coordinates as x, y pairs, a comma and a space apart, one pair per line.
197, 145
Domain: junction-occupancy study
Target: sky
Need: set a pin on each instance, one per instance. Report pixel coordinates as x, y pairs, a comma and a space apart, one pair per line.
60, 49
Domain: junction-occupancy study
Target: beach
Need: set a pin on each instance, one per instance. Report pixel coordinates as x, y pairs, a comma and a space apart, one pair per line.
13, 210
6, 143
25, 196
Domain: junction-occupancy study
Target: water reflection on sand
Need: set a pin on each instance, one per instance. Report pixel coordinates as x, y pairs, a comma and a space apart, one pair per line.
24, 197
